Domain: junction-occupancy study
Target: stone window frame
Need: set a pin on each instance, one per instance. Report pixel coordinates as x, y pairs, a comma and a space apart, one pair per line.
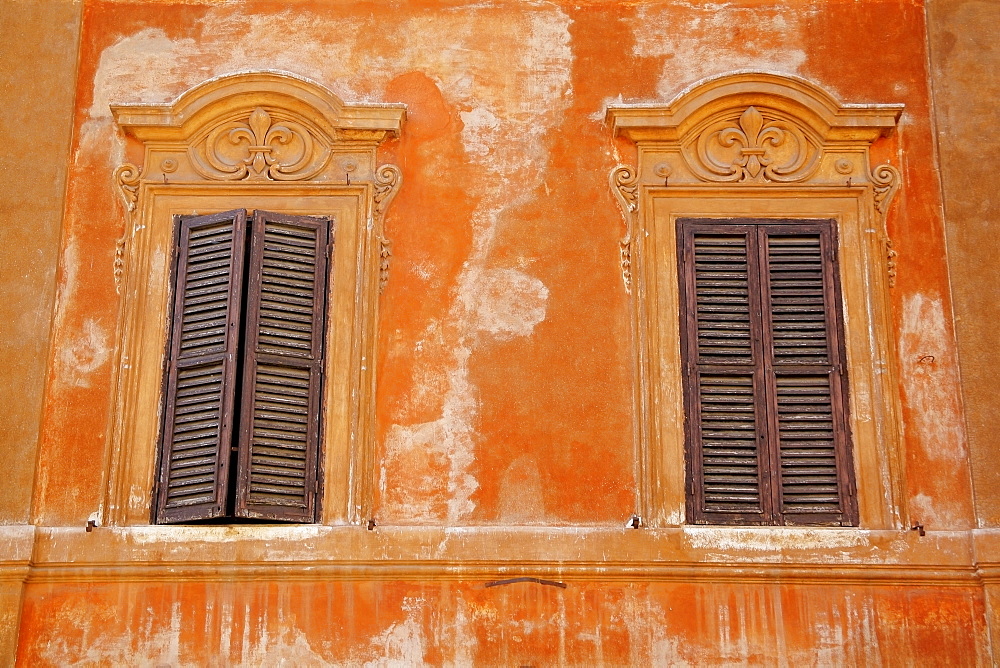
758, 145
254, 140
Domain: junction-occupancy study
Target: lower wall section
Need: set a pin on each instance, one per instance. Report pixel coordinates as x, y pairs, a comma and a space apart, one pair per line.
307, 623
10, 611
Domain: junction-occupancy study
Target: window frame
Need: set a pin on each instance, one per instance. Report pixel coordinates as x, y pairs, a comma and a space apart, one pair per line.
873, 399
759, 145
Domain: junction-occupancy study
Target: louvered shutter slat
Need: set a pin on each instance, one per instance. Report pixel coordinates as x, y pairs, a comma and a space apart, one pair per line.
728, 425
283, 368
200, 389
798, 303
722, 299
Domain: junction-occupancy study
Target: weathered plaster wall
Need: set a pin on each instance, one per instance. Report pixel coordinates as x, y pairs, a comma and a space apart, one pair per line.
966, 77
965, 71
504, 391
39, 64
505, 394
587, 624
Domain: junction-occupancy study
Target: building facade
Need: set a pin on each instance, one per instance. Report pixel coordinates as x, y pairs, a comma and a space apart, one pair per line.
557, 333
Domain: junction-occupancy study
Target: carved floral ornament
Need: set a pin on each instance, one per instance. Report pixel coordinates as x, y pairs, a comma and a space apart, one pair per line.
259, 148
752, 130
754, 148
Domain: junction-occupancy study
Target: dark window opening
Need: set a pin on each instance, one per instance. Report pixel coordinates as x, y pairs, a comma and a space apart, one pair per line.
243, 381
765, 382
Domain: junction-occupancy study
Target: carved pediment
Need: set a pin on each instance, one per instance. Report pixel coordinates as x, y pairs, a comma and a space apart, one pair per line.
258, 126
260, 130
260, 145
755, 128
750, 134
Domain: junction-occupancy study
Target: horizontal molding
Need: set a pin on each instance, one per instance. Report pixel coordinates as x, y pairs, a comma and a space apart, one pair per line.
311, 553
448, 571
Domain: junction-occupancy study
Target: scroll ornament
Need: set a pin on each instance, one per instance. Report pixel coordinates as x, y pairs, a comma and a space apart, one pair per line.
127, 178
387, 181
624, 184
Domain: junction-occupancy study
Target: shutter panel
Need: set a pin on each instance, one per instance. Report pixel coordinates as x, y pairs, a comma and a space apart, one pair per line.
719, 299
279, 442
802, 328
201, 368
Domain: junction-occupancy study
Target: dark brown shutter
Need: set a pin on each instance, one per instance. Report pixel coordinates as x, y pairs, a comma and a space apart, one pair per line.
279, 440
720, 302
201, 367
765, 392
803, 334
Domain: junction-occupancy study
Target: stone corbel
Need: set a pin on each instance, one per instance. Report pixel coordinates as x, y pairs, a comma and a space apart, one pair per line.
624, 185
388, 179
127, 179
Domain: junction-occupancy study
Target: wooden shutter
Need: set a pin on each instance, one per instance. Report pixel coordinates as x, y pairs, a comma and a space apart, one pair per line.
803, 339
283, 364
765, 393
200, 380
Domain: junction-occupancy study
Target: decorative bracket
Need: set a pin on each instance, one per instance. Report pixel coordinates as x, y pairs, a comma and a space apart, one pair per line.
388, 179
127, 178
624, 184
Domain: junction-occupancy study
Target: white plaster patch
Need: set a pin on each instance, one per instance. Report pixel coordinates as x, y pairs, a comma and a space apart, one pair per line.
220, 534
289, 650
478, 128
923, 508
403, 643
442, 445
85, 353
160, 647
768, 539
147, 66
693, 49
521, 500
930, 383
505, 128
504, 302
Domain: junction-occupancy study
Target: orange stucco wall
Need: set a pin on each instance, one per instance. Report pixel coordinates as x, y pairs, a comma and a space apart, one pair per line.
504, 391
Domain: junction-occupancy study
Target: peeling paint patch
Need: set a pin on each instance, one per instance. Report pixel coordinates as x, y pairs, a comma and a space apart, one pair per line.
767, 539
771, 41
504, 302
403, 643
85, 353
521, 499
424, 454
931, 388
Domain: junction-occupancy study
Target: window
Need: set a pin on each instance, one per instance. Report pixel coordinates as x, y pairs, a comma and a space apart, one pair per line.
764, 376
743, 172
264, 141
241, 427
